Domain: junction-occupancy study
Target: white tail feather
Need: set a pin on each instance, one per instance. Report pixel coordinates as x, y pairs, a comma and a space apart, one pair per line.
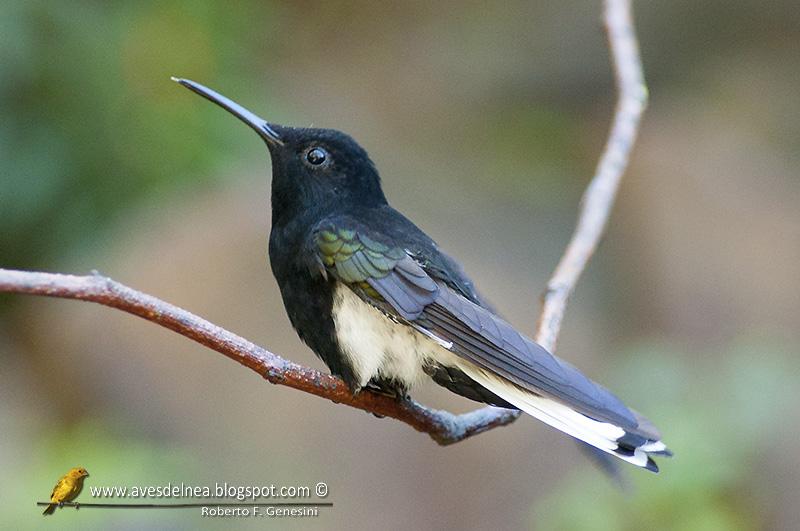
602, 435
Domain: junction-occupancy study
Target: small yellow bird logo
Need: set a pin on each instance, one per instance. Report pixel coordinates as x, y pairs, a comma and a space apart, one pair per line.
67, 488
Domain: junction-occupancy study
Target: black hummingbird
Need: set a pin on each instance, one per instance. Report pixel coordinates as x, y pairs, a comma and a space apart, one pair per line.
382, 306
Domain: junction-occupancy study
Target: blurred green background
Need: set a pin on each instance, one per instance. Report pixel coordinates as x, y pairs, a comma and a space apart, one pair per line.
486, 121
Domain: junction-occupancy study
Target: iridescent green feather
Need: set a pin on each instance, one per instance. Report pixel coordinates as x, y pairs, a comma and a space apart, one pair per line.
354, 257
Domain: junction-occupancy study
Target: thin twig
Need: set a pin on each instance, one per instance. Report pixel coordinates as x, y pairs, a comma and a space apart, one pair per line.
442, 426
602, 190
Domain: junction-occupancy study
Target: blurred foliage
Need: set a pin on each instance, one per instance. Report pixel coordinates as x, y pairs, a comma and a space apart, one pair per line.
721, 425
92, 124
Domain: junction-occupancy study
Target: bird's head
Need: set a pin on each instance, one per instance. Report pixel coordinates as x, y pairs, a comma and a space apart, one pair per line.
78, 472
320, 170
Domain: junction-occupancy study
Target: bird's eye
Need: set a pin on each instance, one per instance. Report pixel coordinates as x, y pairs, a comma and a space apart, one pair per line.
316, 156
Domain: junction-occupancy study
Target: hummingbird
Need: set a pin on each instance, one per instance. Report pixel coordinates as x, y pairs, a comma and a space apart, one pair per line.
385, 308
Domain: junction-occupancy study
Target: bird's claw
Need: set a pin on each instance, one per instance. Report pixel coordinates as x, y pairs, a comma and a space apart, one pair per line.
387, 390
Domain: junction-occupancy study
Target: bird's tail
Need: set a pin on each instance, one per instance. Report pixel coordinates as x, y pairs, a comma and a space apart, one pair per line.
636, 447
50, 509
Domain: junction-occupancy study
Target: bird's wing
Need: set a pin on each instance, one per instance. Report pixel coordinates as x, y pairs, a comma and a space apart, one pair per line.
379, 271
385, 275
501, 359
58, 488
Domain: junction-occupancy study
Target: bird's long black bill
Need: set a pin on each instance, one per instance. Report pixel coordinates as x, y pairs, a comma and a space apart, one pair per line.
258, 124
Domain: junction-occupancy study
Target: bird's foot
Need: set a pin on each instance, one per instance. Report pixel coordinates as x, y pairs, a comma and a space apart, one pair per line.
386, 388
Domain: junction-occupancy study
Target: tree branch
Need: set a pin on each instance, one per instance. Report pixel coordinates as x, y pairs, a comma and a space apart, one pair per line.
442, 426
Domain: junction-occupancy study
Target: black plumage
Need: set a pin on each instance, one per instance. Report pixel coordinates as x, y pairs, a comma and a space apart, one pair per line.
381, 304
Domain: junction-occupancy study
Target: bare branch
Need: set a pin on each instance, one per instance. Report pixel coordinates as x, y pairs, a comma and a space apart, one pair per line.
442, 426
602, 190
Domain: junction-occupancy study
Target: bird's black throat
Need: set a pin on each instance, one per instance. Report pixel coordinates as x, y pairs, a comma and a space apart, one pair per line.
308, 300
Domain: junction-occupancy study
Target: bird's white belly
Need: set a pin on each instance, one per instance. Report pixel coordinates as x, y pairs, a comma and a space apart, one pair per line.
375, 345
